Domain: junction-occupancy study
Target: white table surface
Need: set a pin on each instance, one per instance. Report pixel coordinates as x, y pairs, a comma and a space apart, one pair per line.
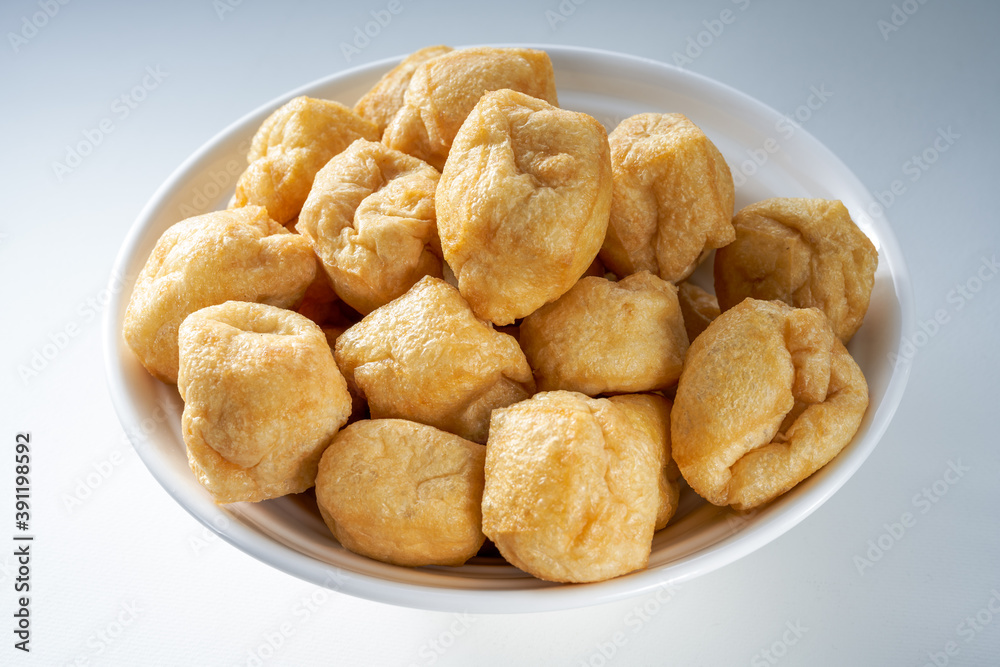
122, 575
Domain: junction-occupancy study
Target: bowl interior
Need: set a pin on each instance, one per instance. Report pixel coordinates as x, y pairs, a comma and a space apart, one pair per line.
768, 156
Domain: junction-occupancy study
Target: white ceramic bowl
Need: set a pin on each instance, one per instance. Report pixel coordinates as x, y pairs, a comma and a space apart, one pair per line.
769, 156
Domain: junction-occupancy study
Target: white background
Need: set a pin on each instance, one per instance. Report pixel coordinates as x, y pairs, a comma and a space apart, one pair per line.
123, 575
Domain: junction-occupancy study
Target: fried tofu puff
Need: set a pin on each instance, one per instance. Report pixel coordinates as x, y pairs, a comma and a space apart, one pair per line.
385, 98
605, 336
767, 397
698, 307
262, 399
426, 357
403, 493
443, 91
370, 219
320, 303
673, 197
239, 255
651, 414
523, 203
359, 406
289, 148
572, 487
805, 252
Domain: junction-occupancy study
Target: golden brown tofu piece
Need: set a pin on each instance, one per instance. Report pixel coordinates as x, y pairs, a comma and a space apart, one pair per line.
426, 357
262, 399
698, 307
403, 493
444, 90
572, 487
767, 397
291, 145
651, 414
673, 197
805, 252
370, 219
385, 98
523, 203
239, 255
605, 336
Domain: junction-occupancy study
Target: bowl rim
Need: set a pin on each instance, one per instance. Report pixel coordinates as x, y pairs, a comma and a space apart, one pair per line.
737, 545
